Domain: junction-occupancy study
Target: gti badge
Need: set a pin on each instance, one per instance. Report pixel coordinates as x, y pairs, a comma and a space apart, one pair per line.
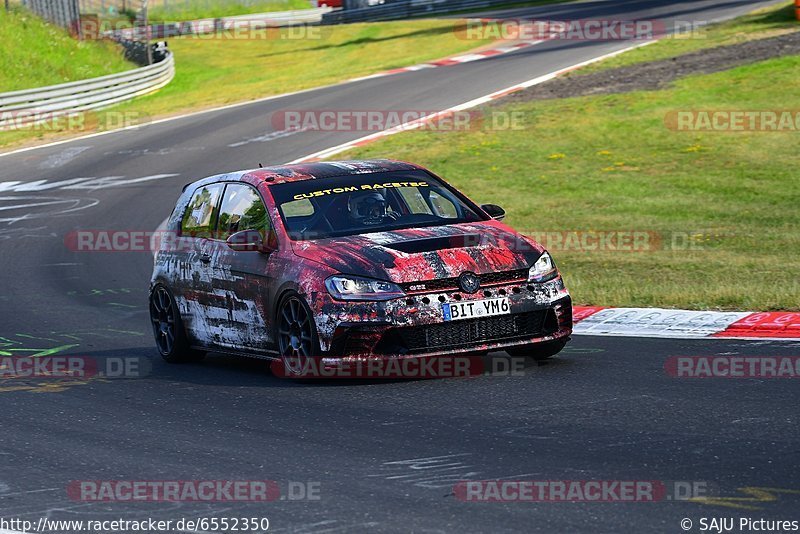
469, 282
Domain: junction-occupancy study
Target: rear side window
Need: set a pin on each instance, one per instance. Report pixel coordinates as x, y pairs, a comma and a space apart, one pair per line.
242, 209
442, 206
200, 217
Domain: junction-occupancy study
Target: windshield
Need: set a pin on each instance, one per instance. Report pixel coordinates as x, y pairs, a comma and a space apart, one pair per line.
375, 202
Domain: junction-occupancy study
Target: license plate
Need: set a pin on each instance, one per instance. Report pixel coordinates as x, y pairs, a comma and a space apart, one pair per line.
475, 308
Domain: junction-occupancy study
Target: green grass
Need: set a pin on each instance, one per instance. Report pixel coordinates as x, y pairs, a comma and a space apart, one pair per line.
179, 10
610, 163
34, 54
217, 70
760, 24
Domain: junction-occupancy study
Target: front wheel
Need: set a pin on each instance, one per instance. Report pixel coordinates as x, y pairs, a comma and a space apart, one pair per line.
168, 328
297, 335
538, 351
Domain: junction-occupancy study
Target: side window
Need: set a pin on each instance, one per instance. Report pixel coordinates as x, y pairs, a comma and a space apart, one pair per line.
201, 213
242, 209
298, 208
414, 200
442, 206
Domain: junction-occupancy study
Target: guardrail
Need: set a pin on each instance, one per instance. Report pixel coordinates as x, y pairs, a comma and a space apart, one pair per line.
31, 106
403, 9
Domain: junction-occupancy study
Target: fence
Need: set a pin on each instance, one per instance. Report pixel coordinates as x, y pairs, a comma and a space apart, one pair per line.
64, 13
30, 106
403, 9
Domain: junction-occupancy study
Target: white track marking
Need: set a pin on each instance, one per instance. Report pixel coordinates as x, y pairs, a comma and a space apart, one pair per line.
35, 204
38, 185
77, 204
8, 186
118, 181
657, 322
89, 183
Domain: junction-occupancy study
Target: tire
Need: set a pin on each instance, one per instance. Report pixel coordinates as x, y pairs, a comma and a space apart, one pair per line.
538, 351
296, 335
168, 330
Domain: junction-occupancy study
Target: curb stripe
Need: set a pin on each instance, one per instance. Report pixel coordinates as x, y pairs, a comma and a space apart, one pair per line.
765, 324
685, 324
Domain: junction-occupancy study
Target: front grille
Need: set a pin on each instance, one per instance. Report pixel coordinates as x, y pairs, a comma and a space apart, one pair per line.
447, 284
468, 332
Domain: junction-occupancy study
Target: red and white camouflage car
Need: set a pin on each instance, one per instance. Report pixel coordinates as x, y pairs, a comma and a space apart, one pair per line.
346, 260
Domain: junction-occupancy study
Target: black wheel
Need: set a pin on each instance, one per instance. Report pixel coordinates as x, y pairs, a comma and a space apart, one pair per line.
297, 334
539, 351
168, 328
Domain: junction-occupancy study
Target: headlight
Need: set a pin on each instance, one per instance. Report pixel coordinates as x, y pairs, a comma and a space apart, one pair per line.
543, 270
357, 288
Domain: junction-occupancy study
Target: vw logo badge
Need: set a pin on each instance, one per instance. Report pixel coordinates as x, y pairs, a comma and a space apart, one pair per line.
469, 282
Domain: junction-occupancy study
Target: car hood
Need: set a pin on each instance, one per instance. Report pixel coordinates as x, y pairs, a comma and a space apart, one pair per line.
419, 254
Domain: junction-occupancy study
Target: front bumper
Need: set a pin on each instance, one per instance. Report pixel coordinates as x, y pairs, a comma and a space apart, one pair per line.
414, 326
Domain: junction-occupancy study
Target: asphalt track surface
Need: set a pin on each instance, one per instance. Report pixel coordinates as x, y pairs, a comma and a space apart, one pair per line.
384, 455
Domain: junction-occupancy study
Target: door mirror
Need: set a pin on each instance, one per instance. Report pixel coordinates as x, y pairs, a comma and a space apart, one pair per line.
246, 241
494, 211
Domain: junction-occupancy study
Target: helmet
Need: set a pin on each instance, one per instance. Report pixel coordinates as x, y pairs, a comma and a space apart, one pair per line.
367, 208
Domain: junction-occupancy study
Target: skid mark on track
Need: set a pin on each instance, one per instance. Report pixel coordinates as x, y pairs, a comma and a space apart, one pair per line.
24, 233
63, 157
753, 496
434, 472
327, 526
268, 137
155, 152
51, 343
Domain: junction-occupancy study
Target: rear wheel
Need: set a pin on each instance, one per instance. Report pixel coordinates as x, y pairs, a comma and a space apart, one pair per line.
297, 334
168, 328
538, 351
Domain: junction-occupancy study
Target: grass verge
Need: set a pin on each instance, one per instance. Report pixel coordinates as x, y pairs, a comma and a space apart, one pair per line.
723, 203
220, 69
34, 54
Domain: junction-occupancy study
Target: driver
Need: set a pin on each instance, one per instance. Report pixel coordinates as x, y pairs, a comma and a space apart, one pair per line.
368, 208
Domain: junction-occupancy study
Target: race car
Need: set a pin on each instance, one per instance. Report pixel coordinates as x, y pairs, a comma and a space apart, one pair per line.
349, 259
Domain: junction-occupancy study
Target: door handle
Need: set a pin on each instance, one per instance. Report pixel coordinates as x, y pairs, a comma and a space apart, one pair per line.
205, 258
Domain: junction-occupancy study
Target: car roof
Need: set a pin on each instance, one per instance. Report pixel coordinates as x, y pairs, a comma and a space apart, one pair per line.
297, 172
